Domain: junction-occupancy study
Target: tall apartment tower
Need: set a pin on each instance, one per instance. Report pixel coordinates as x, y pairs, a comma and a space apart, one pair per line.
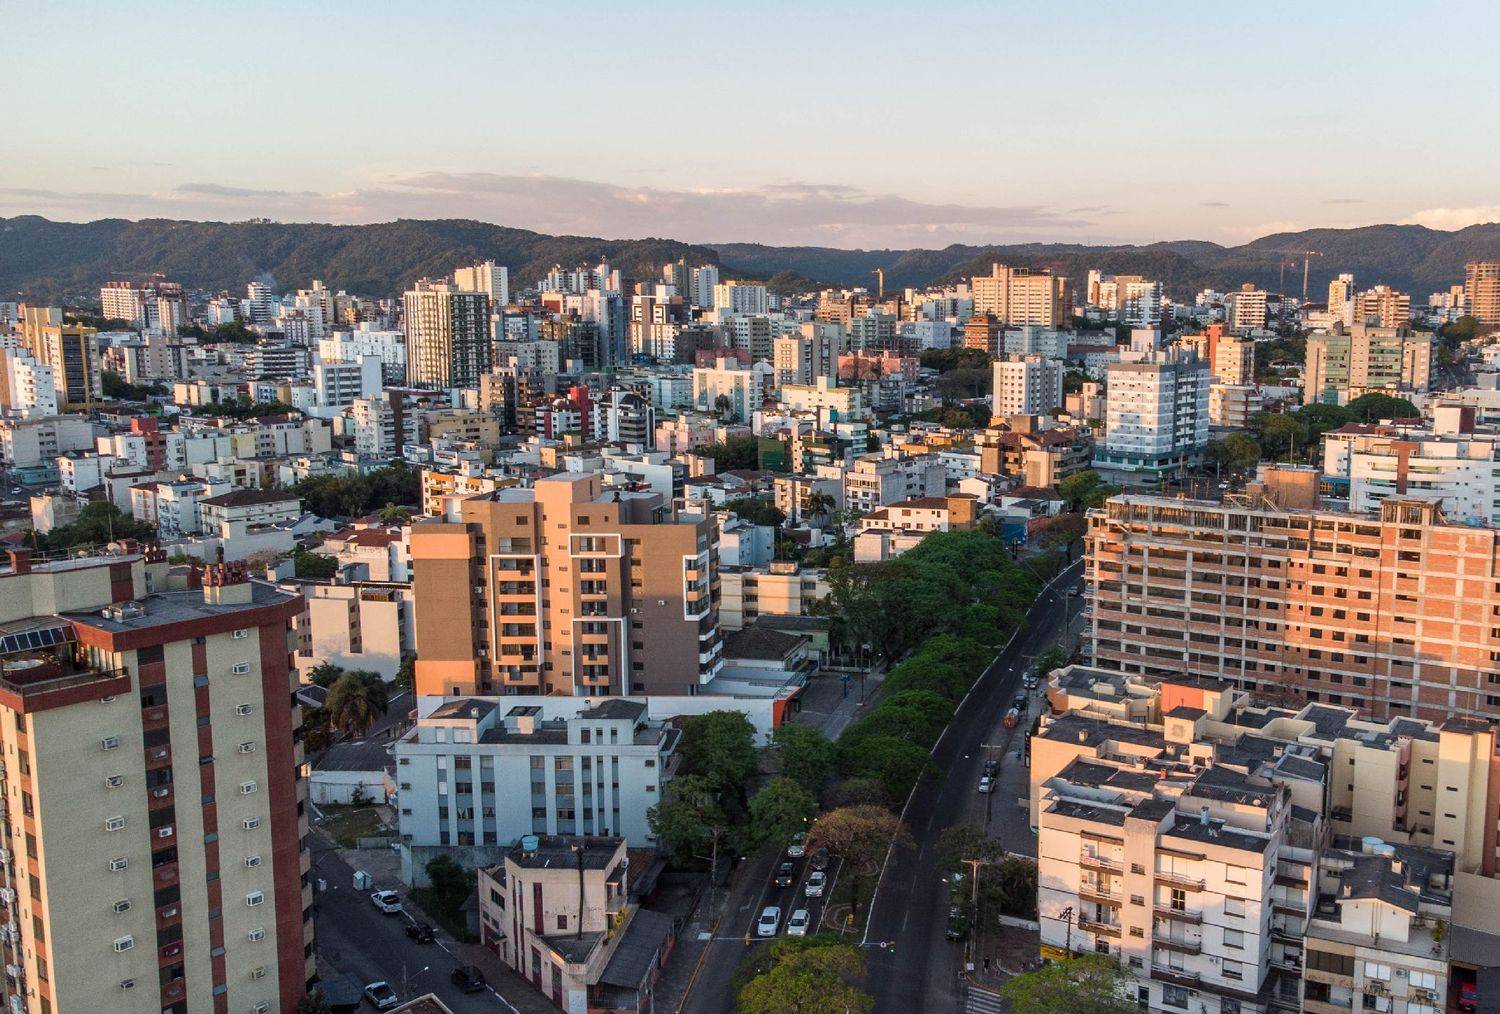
1156, 409
1382, 306
1390, 613
153, 824
1026, 385
1340, 299
259, 304
1482, 291
488, 277
566, 588
447, 335
1019, 296
72, 350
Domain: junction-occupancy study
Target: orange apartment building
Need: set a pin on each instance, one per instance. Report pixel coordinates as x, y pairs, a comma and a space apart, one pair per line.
566, 588
1396, 613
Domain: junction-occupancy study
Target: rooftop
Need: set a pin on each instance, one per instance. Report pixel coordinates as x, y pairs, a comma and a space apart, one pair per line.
167, 608
562, 851
248, 498
763, 643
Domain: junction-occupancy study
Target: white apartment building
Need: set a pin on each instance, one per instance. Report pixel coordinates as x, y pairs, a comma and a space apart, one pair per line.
488, 277
743, 388
247, 511
360, 625
797, 360
823, 398
737, 297
484, 772
382, 427
1232, 405
28, 388
1245, 308
26, 443
339, 384
1026, 385
388, 347
875, 480
1156, 415
704, 281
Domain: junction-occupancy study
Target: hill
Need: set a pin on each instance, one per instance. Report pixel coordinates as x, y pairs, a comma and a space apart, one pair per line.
64, 261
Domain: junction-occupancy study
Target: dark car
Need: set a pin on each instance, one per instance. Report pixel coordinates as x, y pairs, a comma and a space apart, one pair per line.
786, 875
991, 767
958, 926
819, 859
421, 933
1020, 702
468, 978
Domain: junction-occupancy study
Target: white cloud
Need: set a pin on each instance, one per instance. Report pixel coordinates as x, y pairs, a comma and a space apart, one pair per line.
1454, 218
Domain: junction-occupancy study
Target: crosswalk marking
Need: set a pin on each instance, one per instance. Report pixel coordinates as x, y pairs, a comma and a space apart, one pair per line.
981, 1001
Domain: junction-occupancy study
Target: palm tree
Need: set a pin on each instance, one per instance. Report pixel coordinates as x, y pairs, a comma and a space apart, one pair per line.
354, 703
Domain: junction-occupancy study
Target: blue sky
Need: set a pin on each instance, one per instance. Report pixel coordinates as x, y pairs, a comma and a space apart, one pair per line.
841, 124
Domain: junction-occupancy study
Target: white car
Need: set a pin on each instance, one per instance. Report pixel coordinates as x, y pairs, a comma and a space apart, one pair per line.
816, 881
381, 996
797, 847
797, 925
770, 921
986, 783
388, 902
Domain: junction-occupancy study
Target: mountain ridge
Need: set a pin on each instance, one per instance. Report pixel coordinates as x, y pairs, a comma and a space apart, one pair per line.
41, 259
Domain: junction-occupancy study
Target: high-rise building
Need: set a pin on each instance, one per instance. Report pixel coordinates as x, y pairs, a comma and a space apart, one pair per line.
1343, 366
565, 588
1246, 309
154, 837
260, 305
1387, 612
1019, 296
1482, 291
72, 350
1340, 299
157, 305
27, 387
1026, 385
1381, 306
982, 333
740, 297
447, 335
1156, 415
705, 280
488, 277
1233, 360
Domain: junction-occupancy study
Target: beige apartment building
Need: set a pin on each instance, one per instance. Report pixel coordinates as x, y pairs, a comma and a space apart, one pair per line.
153, 840
1019, 296
780, 589
564, 588
1395, 612
1482, 291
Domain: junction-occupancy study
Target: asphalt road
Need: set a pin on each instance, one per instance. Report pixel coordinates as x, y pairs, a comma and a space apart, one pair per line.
912, 966
353, 937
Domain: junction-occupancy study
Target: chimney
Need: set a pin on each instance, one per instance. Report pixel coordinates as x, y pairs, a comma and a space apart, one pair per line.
20, 560
227, 584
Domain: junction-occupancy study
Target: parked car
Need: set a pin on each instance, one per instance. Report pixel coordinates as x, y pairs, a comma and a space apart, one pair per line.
986, 783
992, 767
1019, 702
421, 933
797, 925
1012, 717
797, 847
388, 902
786, 874
381, 996
819, 860
816, 882
1468, 996
770, 920
958, 926
468, 978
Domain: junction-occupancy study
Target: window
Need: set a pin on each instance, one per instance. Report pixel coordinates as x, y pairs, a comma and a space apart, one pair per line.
1424, 980
1174, 996
1234, 906
562, 922
1377, 971
1327, 961
1233, 969
1234, 938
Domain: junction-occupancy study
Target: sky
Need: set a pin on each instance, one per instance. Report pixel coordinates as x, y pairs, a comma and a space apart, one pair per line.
869, 124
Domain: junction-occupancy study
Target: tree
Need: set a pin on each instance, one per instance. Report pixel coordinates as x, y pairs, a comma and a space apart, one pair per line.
314, 566
395, 515
406, 675
1281, 433
689, 821
1463, 329
736, 452
99, 522
757, 511
804, 754
1091, 984
324, 674
779, 810
1054, 657
1236, 453
815, 975
719, 746
354, 703
314, 1003
722, 405
861, 835
450, 884
1086, 489
316, 733
1375, 406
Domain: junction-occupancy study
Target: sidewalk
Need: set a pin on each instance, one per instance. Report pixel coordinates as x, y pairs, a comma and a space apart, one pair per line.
833, 706
1007, 951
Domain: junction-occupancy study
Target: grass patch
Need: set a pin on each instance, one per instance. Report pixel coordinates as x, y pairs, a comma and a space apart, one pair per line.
347, 824
450, 919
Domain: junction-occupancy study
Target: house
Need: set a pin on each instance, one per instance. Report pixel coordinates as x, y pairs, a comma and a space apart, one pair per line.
352, 772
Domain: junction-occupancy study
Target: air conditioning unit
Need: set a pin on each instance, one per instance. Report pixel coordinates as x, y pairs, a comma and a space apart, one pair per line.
240, 668
127, 984
251, 823
161, 792
246, 788
262, 1008
252, 861
114, 824
243, 709
258, 972
119, 864
256, 935
107, 700
168, 913
247, 748
242, 633
164, 832
124, 943
109, 743
123, 905
114, 781
255, 898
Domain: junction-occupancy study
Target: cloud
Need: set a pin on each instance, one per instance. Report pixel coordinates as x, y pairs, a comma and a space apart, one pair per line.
1454, 218
778, 212
1213, 204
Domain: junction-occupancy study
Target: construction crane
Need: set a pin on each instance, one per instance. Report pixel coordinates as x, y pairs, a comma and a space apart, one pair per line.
879, 273
1306, 256
1281, 285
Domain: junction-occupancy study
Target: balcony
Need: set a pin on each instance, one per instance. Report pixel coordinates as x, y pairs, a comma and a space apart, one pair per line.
1176, 976
1179, 915
1093, 862
1179, 880
35, 679
1180, 946
1099, 895
1105, 929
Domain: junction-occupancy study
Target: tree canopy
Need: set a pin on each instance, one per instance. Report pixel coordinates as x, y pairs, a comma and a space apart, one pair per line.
779, 810
99, 523
810, 975
1091, 984
346, 496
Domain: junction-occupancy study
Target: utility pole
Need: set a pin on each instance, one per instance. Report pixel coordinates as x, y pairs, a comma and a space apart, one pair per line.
974, 865
1067, 917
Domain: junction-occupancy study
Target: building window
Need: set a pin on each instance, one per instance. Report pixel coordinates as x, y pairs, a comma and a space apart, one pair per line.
1174, 996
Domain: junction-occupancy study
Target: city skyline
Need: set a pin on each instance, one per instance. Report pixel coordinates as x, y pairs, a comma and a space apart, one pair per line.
779, 132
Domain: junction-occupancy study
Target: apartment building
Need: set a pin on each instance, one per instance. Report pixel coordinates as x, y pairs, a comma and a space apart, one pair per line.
779, 589
1342, 366
124, 686
28, 388
1035, 455
1245, 308
384, 425
1340, 299
447, 335
72, 351
1392, 612
488, 277
364, 625
566, 588
1026, 385
829, 402
891, 531
732, 390
1156, 415
1482, 291
1018, 296
248, 510
481, 772
1381, 306
1446, 461
1232, 406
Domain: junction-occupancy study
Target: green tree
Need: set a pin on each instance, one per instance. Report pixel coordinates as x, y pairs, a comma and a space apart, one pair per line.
1091, 984
816, 975
803, 754
689, 821
734, 453
314, 566
1236, 453
757, 511
1280, 433
719, 746
1052, 657
779, 810
394, 515
316, 730
1375, 406
99, 523
355, 702
324, 674
861, 835
1086, 489
406, 675
1463, 329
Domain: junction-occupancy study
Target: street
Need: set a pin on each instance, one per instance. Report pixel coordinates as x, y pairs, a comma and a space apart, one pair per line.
354, 938
911, 964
